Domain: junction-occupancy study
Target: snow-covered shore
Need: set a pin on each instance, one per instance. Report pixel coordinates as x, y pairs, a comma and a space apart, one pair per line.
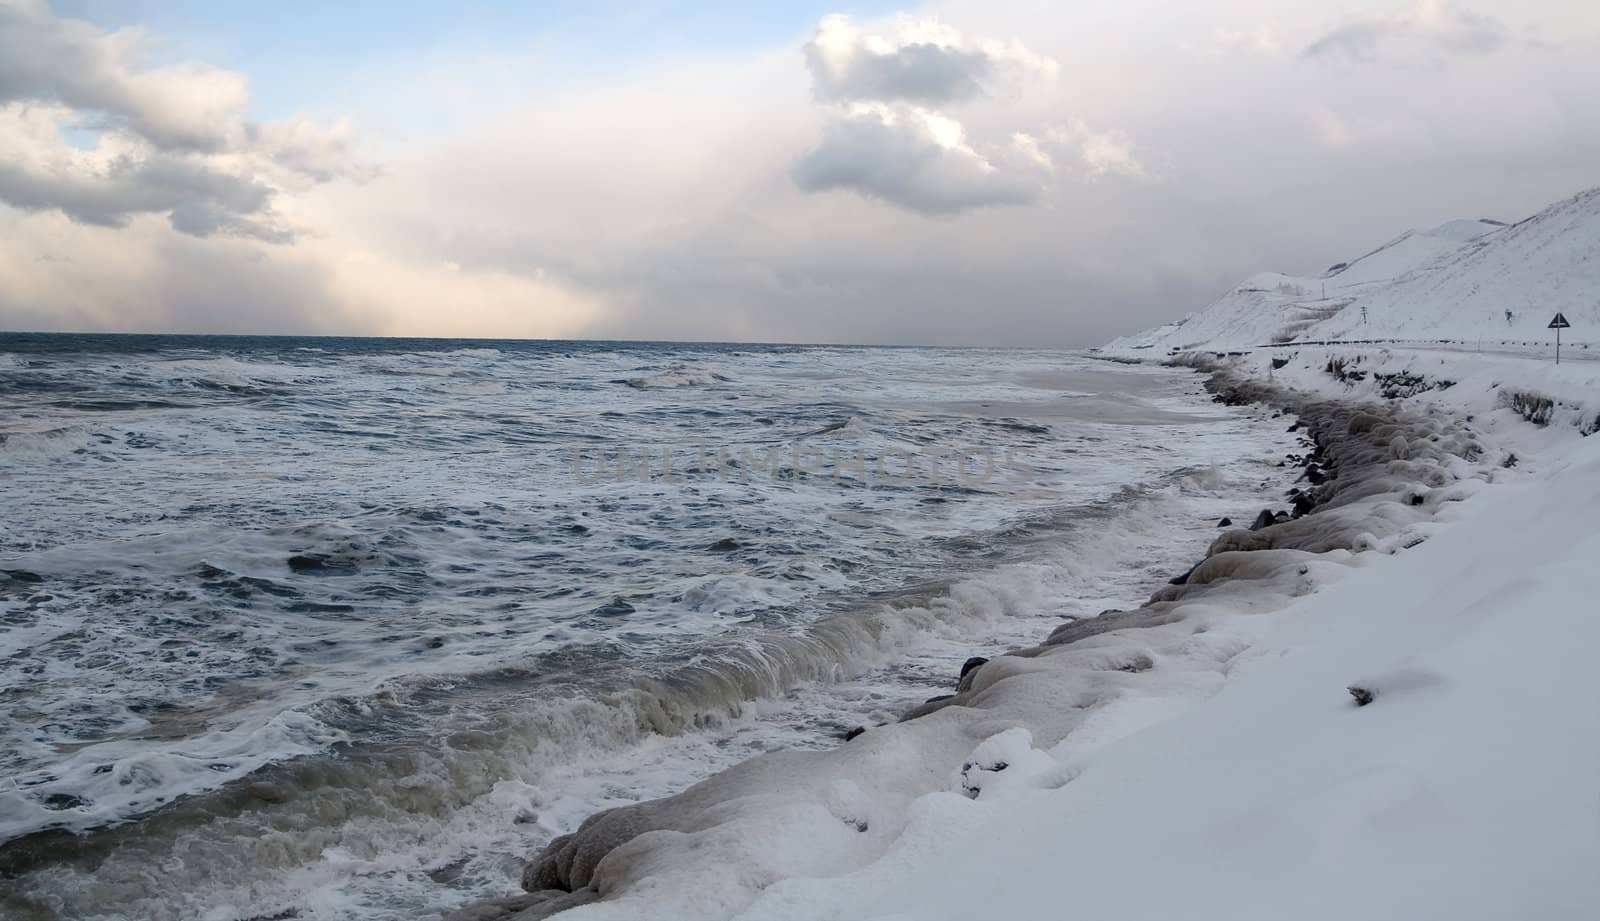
1465, 789
1194, 740
1371, 704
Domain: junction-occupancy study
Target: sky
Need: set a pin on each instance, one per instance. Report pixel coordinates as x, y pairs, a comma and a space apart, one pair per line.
955, 173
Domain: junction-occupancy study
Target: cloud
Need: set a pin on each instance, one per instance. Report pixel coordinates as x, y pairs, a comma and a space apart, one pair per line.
78, 65
925, 62
912, 157
122, 177
173, 140
1260, 40
1099, 153
307, 151
1439, 24
689, 195
886, 134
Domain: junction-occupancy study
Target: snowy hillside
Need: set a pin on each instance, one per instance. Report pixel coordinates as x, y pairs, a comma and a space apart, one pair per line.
1474, 284
1504, 286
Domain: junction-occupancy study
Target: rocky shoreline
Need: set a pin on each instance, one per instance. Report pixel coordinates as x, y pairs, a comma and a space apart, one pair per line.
1371, 472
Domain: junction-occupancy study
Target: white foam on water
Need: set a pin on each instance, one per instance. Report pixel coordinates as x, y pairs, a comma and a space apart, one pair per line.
833, 604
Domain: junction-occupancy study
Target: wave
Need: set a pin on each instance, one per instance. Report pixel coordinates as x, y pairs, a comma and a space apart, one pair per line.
850, 803
516, 732
677, 376
48, 444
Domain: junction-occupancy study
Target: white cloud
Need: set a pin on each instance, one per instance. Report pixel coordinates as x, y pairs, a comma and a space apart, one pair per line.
1100, 153
76, 64
1259, 40
912, 157
924, 62
1027, 147
1438, 24
174, 140
668, 199
886, 136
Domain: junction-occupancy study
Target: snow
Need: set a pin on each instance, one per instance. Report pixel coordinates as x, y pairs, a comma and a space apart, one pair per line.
1384, 709
1220, 767
1464, 790
1548, 263
1464, 284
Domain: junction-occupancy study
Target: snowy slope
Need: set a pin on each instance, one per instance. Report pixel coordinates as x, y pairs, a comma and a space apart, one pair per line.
1274, 307
1547, 263
1467, 284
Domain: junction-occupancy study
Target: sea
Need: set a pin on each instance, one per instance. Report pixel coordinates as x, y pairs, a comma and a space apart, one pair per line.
347, 628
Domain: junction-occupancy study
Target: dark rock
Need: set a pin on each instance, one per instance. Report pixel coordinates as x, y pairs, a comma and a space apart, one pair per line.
938, 697
1225, 523
1293, 428
1263, 520
854, 732
1362, 695
1303, 504
1184, 579
448, 873
307, 562
970, 664
59, 801
1314, 475
286, 915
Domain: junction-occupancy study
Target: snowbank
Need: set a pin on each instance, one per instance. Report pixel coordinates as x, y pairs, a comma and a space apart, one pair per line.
1464, 790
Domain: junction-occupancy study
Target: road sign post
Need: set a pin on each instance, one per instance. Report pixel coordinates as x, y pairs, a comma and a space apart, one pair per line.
1559, 323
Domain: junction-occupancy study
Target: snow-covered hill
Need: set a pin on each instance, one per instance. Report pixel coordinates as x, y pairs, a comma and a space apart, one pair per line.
1470, 284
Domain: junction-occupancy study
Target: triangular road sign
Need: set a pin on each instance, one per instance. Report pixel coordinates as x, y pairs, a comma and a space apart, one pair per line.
1560, 322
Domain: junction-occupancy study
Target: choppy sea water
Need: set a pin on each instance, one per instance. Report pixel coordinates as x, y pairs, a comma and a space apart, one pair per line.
347, 628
